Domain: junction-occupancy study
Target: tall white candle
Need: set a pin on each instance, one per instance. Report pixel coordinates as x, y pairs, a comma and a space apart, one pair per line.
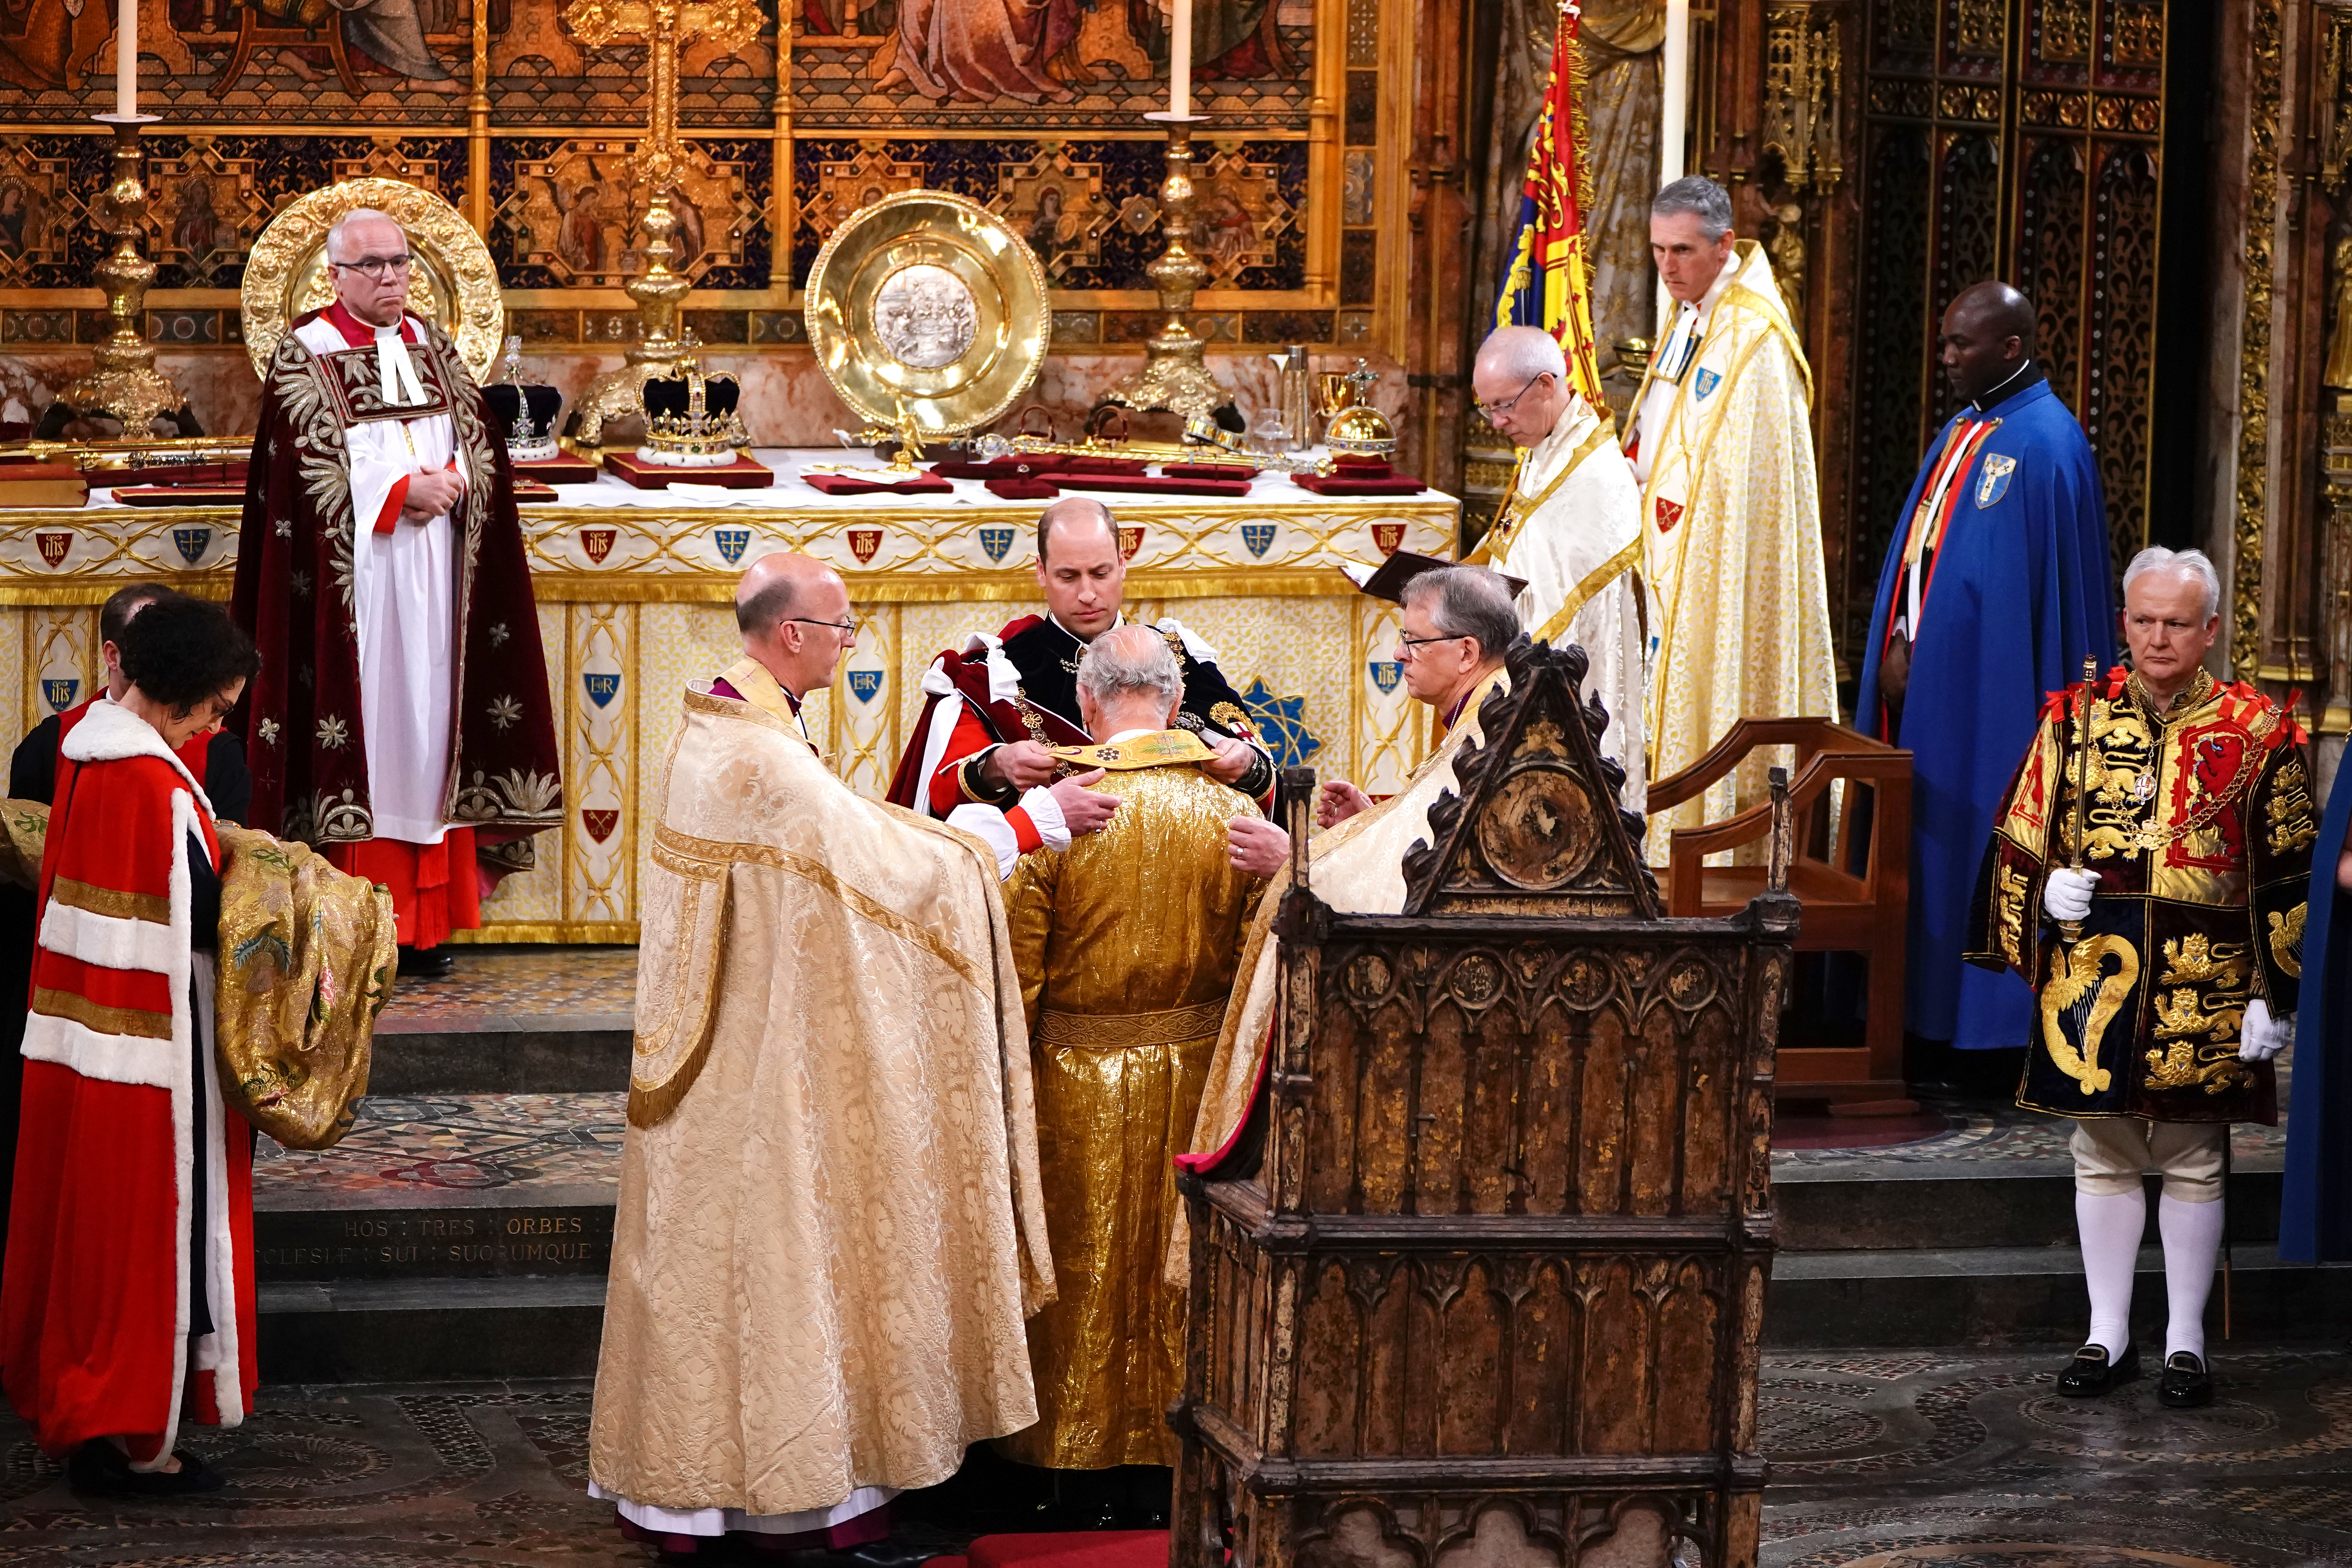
1180, 59
126, 58
1673, 114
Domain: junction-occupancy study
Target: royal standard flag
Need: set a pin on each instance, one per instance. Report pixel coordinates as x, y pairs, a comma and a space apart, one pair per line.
1548, 282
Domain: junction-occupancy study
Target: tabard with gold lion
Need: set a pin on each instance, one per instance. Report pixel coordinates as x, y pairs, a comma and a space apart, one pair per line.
2198, 822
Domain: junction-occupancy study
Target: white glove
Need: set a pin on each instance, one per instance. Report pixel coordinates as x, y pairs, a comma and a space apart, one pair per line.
2067, 893
2263, 1037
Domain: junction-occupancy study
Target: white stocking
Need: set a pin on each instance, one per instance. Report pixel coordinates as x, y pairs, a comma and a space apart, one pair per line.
2110, 1224
2192, 1244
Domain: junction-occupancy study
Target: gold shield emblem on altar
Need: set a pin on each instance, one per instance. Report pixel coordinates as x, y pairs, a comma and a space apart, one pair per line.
453, 283
927, 308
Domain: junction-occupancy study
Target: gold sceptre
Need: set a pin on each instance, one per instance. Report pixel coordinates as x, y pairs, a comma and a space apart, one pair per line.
2071, 930
1208, 453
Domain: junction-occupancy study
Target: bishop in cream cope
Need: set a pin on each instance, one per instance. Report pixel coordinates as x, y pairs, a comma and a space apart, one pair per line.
1730, 520
1572, 527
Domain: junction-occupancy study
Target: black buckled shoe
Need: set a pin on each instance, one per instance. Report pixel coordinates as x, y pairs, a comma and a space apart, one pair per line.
99, 1468
2187, 1382
426, 963
2089, 1374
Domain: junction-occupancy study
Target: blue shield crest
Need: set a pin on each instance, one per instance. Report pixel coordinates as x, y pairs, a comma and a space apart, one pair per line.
1704, 382
192, 543
1992, 479
1386, 674
1259, 537
58, 692
997, 542
602, 686
732, 543
866, 683
1281, 725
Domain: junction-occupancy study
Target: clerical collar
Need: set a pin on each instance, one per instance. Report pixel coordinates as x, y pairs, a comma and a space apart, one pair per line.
2022, 379
358, 333
1454, 714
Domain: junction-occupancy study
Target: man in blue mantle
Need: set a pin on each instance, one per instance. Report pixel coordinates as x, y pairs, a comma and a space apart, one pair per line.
2316, 1204
1995, 586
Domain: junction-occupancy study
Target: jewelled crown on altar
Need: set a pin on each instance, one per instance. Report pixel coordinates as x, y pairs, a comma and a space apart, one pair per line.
529, 408
691, 420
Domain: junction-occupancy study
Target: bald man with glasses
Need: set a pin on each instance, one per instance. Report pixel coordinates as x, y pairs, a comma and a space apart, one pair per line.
401, 721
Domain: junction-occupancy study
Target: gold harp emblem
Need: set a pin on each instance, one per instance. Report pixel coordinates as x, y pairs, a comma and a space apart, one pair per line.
2082, 991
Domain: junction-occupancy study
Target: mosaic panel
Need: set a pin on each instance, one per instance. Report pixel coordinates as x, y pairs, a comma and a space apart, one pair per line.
566, 215
1089, 208
981, 65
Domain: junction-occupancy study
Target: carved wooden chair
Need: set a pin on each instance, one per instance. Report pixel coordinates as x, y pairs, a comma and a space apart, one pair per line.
1482, 1275
258, 30
1851, 875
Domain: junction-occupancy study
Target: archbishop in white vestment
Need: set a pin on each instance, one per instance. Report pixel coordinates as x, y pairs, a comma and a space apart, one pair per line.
1572, 529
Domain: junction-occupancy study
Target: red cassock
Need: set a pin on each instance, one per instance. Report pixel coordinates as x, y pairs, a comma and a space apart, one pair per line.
133, 1199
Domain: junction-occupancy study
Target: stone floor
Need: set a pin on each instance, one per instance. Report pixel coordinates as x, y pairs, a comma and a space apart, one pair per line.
1921, 1459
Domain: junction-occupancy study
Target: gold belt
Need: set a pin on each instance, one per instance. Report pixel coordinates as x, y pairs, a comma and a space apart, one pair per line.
1115, 1030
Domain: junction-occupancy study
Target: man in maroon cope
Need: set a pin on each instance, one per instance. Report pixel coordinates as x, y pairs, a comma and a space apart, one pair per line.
401, 721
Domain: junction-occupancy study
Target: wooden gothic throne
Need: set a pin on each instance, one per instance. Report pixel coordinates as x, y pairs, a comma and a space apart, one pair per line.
1482, 1282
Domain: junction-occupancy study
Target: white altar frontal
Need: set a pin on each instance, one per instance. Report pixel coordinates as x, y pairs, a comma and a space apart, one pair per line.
635, 591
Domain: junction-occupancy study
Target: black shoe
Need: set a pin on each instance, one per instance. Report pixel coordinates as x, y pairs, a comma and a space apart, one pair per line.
99, 1468
889, 1554
426, 963
2088, 1375
2187, 1382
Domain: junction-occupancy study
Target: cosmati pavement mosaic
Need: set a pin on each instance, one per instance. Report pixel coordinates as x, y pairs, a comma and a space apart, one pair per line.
1902, 1459
407, 1149
491, 988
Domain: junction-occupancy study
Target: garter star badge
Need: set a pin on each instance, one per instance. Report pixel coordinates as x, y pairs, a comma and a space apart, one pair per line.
1992, 480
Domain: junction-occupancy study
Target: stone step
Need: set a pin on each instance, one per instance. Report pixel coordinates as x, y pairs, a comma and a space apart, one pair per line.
2029, 1295
503, 1054
414, 1330
401, 1329
1966, 1207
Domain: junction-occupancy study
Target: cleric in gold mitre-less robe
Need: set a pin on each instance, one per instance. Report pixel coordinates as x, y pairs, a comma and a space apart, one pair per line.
829, 1229
1731, 519
2200, 826
1126, 944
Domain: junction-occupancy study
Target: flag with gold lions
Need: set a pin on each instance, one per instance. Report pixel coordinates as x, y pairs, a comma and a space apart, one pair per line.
1547, 280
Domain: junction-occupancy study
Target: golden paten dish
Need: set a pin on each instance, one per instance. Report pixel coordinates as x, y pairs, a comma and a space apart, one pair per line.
927, 311
453, 283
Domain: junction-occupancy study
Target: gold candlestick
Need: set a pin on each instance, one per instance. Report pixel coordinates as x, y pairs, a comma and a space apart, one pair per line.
1174, 376
666, 26
123, 382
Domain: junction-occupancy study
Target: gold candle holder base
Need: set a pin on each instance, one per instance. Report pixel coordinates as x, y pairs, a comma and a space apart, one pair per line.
619, 395
1174, 376
123, 383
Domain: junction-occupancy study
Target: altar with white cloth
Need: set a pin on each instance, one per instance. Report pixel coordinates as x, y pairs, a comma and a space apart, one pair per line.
636, 591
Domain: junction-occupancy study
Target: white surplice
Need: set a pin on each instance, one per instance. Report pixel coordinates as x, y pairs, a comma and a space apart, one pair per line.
403, 603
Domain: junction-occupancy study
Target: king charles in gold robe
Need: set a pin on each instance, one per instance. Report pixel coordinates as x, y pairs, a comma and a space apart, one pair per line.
1126, 946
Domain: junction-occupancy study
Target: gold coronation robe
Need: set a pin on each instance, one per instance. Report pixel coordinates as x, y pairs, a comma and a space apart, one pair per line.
1356, 867
1731, 520
1572, 527
2200, 825
1125, 943
829, 1228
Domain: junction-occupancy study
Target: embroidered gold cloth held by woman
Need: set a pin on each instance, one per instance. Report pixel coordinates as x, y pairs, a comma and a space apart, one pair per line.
1127, 945
305, 964
2198, 822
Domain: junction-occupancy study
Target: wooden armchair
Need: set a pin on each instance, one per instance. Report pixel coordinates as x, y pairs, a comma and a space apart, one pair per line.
1851, 875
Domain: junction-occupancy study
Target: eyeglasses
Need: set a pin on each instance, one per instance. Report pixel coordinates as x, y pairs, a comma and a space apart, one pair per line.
1491, 409
1405, 644
848, 629
375, 267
